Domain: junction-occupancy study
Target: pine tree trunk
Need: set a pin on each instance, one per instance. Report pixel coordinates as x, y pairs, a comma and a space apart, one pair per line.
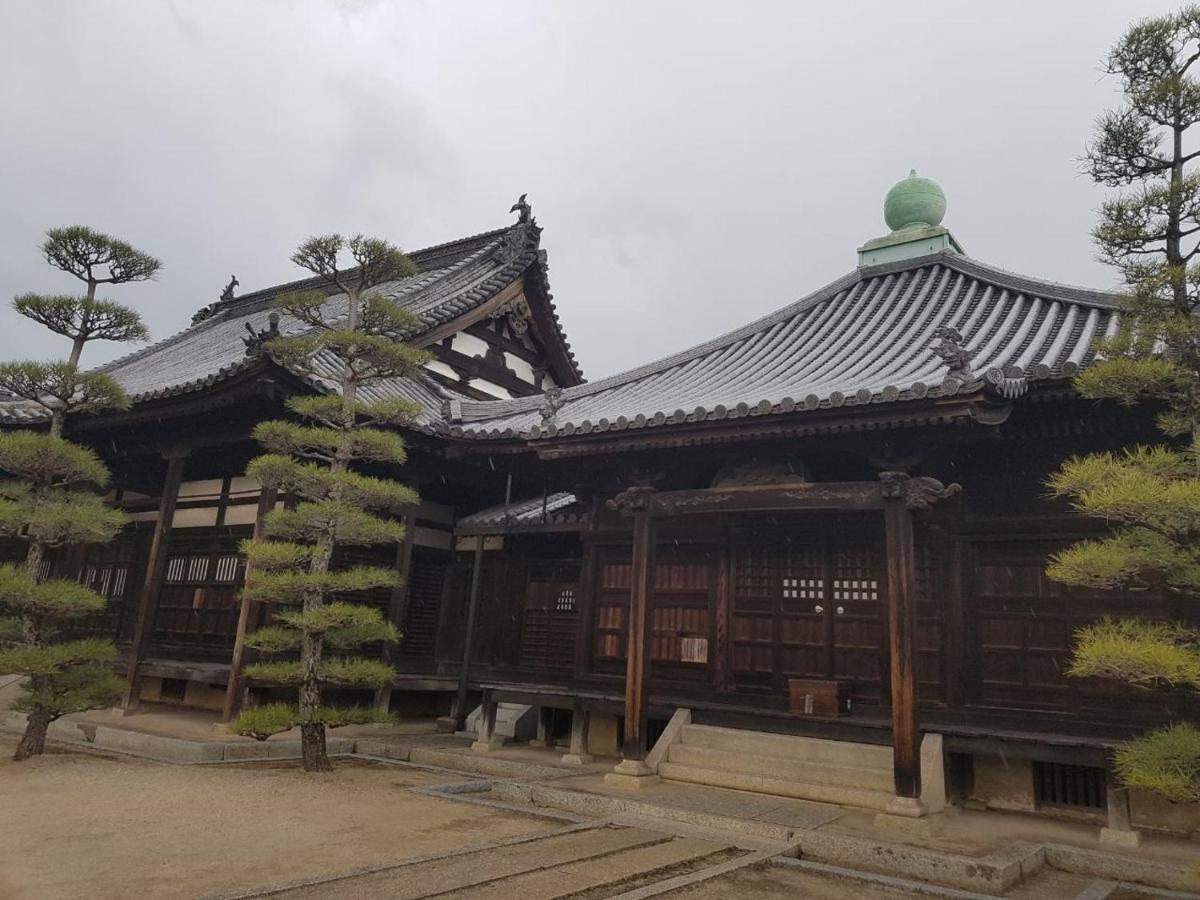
312, 748
33, 741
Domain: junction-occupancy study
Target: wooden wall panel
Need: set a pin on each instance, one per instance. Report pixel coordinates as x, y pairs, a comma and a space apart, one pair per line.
1025, 627
548, 625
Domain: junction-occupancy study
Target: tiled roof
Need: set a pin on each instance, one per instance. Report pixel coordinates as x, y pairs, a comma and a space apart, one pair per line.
453, 279
560, 508
867, 338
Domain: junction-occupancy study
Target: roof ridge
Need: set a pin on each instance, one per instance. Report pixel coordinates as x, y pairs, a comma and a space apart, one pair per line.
247, 304
315, 280
1040, 287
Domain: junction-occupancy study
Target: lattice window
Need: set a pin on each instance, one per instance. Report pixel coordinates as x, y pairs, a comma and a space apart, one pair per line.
855, 589
197, 568
1063, 784
693, 650
802, 588
176, 567
227, 569
565, 603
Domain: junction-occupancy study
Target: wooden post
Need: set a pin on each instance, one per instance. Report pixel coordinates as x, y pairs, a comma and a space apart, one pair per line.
233, 687
588, 573
156, 567
722, 645
460, 700
486, 738
641, 598
398, 601
902, 624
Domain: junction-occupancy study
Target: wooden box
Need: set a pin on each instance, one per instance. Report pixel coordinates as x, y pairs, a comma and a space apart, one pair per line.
818, 697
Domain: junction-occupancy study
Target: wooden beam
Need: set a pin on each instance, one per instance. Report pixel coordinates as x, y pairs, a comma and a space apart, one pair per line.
902, 625
843, 495
474, 367
156, 567
454, 326
641, 599
248, 613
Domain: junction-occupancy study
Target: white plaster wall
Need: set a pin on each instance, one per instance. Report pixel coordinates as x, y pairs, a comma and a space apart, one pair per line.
520, 368
469, 345
482, 384
441, 368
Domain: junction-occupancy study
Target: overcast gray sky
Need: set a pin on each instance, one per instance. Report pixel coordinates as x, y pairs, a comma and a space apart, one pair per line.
694, 164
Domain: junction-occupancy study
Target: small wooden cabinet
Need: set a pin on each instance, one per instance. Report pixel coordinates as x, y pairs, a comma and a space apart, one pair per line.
819, 697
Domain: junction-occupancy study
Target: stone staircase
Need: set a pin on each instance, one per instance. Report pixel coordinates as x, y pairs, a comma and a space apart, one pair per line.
800, 767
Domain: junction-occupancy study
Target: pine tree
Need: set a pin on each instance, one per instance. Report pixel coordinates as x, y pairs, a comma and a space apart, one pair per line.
1148, 230
50, 501
347, 343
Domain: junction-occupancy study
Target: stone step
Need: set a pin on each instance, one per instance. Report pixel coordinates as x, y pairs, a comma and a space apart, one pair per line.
514, 721
874, 778
760, 743
590, 875
761, 784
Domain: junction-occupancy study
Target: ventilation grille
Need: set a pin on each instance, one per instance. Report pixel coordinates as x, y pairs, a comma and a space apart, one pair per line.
1075, 787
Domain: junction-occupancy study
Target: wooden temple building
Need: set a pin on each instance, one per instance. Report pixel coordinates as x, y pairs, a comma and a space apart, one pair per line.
806, 556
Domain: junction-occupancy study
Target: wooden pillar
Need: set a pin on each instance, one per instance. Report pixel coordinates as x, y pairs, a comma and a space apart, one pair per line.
641, 598
722, 643
902, 624
588, 573
464, 672
247, 614
156, 567
486, 739
398, 601
957, 660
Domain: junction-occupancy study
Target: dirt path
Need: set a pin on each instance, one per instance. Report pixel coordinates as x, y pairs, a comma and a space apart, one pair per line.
77, 825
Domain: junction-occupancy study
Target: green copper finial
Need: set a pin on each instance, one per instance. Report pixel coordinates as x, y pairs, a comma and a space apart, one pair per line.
914, 202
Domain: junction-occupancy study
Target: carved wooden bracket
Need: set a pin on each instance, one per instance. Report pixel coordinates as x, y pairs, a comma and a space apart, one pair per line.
920, 492
633, 500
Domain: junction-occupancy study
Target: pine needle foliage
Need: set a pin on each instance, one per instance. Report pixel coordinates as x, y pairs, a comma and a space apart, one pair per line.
48, 496
1166, 762
1149, 229
347, 341
46, 504
95, 259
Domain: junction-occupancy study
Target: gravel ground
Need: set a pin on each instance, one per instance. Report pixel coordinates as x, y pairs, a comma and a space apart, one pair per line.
76, 825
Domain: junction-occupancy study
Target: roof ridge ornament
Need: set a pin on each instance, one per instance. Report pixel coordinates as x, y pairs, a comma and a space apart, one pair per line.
913, 209
952, 350
552, 402
257, 339
523, 210
227, 297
